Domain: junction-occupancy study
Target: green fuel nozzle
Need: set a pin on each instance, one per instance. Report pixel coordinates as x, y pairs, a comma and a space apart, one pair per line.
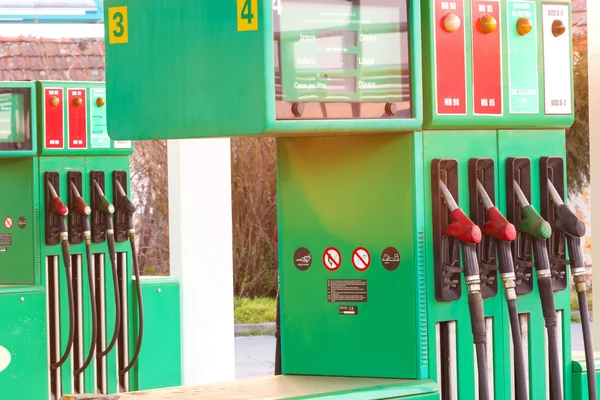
103, 204
532, 222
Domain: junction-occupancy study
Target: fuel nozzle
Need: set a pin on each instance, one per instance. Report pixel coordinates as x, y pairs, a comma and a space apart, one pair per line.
103, 204
84, 210
58, 207
469, 234
503, 232
540, 230
574, 229
127, 207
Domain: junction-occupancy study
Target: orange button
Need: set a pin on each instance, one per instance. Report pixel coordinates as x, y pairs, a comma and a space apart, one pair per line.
100, 102
77, 101
558, 28
488, 24
54, 101
524, 26
451, 23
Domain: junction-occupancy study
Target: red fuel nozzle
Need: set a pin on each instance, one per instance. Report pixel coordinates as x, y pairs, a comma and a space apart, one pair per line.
462, 228
498, 227
58, 207
81, 207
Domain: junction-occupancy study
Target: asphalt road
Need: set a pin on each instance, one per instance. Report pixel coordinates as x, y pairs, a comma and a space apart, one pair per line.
254, 355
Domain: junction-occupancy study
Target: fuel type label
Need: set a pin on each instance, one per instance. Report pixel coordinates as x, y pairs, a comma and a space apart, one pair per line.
348, 310
522, 58
347, 290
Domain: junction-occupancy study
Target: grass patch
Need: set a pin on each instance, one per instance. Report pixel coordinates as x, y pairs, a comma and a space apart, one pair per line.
258, 332
254, 311
575, 301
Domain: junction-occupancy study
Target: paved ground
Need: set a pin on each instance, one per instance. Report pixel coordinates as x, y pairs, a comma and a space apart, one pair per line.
255, 354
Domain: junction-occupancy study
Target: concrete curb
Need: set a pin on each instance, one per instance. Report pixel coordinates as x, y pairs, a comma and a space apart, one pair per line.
244, 328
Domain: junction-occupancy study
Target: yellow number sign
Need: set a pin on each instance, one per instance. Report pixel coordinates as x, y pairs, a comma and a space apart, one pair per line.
247, 15
117, 25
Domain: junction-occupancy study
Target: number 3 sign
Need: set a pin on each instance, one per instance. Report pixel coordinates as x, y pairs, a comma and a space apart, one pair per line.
247, 12
117, 25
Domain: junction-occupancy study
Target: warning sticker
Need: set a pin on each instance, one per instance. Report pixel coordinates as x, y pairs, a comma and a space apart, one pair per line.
390, 258
348, 310
5, 239
361, 259
8, 222
347, 290
332, 259
302, 259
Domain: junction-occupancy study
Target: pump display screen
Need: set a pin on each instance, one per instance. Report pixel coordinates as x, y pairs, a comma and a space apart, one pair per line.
342, 59
15, 132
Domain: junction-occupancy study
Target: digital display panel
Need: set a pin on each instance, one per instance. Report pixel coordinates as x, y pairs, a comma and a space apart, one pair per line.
342, 59
15, 131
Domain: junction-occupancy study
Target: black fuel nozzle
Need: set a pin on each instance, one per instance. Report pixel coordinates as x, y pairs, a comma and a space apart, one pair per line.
84, 210
105, 206
574, 229
469, 234
127, 207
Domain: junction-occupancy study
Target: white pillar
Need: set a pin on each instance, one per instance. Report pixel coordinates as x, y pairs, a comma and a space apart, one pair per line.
201, 256
593, 10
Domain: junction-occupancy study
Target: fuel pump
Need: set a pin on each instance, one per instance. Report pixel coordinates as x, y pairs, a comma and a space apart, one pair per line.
568, 225
101, 205
504, 233
538, 231
125, 206
56, 208
83, 211
469, 234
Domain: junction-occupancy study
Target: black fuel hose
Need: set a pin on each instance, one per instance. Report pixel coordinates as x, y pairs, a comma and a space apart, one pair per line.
576, 261
88, 255
67, 263
544, 279
506, 266
113, 264
471, 271
138, 286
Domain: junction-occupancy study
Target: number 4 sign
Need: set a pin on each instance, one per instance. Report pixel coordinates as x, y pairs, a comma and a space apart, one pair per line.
247, 11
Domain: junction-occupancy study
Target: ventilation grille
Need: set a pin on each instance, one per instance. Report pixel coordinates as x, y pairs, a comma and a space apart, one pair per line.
422, 297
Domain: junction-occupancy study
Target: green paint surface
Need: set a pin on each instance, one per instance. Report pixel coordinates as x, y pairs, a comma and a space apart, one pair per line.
23, 334
159, 365
19, 257
522, 59
346, 193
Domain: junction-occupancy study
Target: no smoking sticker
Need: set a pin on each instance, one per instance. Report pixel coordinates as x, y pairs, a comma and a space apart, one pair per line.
332, 259
361, 259
8, 222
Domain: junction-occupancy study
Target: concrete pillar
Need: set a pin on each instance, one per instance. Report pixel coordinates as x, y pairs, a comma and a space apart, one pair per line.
201, 256
593, 9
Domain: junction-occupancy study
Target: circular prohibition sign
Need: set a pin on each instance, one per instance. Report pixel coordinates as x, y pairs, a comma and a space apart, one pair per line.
332, 259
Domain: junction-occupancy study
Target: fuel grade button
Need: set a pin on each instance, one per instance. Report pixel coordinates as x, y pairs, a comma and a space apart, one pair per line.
302, 258
390, 258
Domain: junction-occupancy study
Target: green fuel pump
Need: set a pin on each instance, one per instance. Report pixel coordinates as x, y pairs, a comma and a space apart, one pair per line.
539, 231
